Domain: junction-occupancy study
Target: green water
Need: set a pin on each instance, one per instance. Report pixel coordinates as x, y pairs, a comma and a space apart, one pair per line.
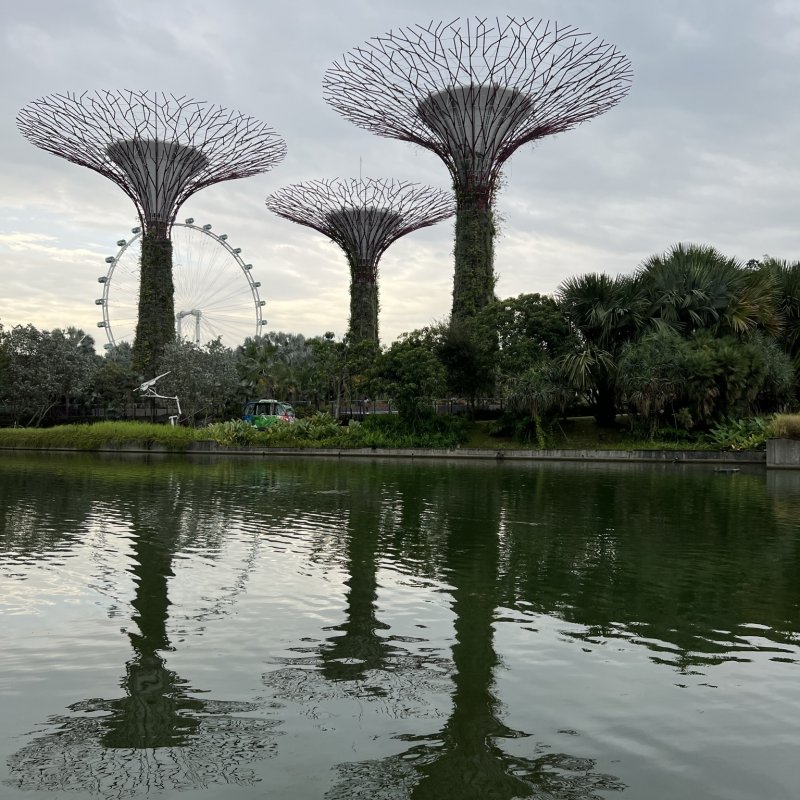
379, 629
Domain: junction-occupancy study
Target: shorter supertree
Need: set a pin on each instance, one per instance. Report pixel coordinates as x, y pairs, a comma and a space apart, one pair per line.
363, 217
159, 149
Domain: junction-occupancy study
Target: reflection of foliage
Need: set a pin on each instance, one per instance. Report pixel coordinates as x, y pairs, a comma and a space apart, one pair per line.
402, 690
636, 570
158, 734
608, 550
360, 660
72, 756
554, 776
466, 759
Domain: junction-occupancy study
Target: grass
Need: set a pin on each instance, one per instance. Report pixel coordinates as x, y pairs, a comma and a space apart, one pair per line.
580, 433
101, 434
576, 433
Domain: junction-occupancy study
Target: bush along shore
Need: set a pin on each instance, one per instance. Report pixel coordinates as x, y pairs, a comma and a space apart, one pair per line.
322, 431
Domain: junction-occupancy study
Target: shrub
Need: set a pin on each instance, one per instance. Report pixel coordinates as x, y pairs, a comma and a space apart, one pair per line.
522, 428
231, 432
741, 434
425, 430
319, 428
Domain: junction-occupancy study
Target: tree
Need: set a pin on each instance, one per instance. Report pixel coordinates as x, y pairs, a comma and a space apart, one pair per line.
652, 374
606, 313
253, 364
411, 375
525, 331
329, 370
694, 287
276, 364
4, 362
43, 368
115, 379
203, 378
785, 277
464, 350
531, 394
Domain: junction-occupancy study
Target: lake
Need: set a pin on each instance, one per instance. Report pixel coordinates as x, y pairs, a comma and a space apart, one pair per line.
325, 628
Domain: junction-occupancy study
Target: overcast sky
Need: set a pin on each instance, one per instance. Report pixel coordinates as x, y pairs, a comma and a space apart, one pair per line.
704, 149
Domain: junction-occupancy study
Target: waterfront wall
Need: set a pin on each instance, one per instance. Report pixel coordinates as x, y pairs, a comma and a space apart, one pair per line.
782, 456
657, 456
783, 453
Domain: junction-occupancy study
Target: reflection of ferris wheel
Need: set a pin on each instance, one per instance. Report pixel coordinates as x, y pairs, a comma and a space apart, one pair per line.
215, 294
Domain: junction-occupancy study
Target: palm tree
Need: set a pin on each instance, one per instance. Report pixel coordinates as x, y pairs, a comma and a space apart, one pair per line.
693, 287
785, 277
607, 312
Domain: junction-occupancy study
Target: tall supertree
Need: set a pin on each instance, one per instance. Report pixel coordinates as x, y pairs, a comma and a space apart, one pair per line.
363, 217
473, 91
159, 149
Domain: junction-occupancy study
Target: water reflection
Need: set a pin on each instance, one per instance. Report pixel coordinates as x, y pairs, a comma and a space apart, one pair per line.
679, 563
359, 646
160, 734
359, 657
465, 758
691, 569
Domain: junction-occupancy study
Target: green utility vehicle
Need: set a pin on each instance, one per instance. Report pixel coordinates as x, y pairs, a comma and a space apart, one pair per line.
263, 414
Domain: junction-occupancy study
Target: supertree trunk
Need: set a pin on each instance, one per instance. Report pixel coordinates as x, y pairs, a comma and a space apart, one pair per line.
363, 302
155, 328
473, 284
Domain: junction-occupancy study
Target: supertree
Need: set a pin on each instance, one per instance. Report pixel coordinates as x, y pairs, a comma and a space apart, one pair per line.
159, 149
363, 217
473, 91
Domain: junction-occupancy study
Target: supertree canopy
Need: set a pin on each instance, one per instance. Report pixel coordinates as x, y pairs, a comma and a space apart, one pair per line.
159, 149
473, 91
363, 217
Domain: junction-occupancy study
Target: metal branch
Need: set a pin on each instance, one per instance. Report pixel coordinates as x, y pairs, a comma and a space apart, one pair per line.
158, 148
362, 216
474, 90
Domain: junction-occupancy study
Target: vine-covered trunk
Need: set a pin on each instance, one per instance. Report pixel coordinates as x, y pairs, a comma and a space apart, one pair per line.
363, 301
155, 327
473, 284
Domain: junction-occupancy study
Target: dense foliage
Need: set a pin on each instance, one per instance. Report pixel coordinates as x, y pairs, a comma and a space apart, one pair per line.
691, 342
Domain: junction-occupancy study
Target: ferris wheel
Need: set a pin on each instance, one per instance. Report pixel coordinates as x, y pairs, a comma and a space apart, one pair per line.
215, 294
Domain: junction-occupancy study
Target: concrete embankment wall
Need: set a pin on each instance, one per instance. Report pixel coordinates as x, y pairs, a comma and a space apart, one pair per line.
780, 453
619, 456
783, 454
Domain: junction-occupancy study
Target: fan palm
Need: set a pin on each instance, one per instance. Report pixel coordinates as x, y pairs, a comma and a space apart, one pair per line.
606, 312
695, 287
